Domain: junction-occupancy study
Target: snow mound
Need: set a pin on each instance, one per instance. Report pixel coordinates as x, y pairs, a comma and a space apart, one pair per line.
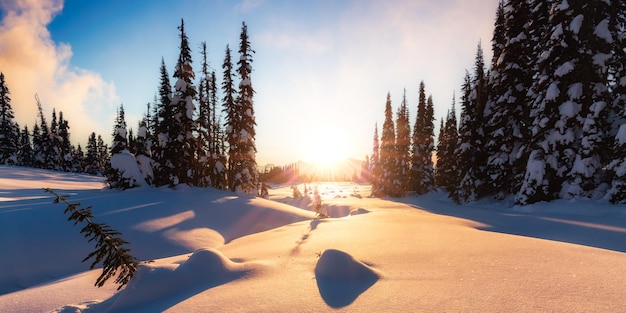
164, 285
359, 211
341, 278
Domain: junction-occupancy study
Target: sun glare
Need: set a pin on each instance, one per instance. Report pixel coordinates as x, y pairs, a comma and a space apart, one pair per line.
324, 147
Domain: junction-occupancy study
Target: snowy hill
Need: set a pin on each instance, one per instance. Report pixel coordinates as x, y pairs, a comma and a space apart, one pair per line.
217, 251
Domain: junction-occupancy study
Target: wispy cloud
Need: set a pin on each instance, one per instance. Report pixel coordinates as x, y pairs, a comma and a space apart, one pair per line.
246, 6
33, 63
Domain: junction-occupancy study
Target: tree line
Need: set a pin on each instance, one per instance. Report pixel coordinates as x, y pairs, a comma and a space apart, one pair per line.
181, 139
545, 122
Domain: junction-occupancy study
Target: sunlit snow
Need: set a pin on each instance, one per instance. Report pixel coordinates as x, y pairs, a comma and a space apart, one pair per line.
215, 251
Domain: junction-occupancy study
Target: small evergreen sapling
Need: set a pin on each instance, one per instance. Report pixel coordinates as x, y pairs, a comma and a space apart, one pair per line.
109, 247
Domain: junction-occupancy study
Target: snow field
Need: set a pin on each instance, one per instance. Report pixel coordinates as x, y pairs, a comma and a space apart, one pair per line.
208, 250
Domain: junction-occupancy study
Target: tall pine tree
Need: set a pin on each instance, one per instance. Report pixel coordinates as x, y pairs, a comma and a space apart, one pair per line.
182, 136
388, 179
9, 131
447, 167
163, 152
507, 112
205, 164
403, 146
423, 147
242, 156
571, 123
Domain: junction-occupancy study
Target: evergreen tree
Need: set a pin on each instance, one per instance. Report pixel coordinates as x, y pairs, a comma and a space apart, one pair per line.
78, 157
403, 146
120, 174
388, 172
242, 155
375, 168
423, 178
65, 146
25, 151
120, 139
571, 126
9, 131
132, 141
447, 174
182, 139
469, 150
507, 110
37, 147
45, 153
205, 164
230, 109
143, 145
218, 152
55, 143
163, 154
586, 174
92, 164
617, 165
103, 156
448, 163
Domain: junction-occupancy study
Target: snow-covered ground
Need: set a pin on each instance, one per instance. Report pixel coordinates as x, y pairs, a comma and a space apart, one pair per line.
215, 251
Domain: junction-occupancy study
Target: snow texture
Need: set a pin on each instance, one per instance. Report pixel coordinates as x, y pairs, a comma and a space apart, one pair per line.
126, 164
216, 251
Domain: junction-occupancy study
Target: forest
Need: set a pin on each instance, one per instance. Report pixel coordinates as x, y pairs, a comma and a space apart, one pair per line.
181, 138
545, 122
544, 119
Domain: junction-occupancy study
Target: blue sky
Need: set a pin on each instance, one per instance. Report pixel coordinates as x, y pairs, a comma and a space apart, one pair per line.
322, 69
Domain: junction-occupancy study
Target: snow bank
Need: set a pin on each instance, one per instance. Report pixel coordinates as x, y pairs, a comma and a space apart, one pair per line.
157, 287
341, 279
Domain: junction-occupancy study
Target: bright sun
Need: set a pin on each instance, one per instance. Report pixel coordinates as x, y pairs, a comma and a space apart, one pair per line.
324, 146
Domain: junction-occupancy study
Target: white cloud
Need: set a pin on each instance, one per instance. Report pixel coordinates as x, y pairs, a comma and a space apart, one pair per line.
33, 63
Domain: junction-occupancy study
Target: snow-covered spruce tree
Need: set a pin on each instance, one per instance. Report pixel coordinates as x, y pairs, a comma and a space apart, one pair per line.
45, 154
470, 150
570, 116
36, 161
617, 68
143, 144
447, 167
104, 157
132, 141
9, 132
242, 156
507, 112
417, 153
586, 174
388, 172
65, 145
92, 164
218, 150
78, 157
162, 152
182, 136
423, 173
124, 172
25, 150
204, 127
230, 110
403, 146
375, 167
55, 142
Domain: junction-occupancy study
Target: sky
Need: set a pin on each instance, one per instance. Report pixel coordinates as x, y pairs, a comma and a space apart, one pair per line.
321, 71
